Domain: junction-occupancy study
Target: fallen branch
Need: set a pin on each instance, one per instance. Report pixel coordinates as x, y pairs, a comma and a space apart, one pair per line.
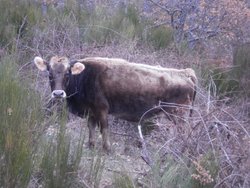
144, 153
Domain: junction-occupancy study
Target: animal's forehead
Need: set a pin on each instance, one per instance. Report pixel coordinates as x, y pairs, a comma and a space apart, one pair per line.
59, 63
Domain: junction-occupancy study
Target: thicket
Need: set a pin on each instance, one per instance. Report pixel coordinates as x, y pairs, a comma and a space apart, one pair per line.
37, 149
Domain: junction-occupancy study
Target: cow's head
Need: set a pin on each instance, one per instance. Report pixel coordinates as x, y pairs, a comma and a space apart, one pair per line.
60, 69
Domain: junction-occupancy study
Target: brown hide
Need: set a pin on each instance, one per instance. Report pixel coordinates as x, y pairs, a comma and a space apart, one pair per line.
132, 89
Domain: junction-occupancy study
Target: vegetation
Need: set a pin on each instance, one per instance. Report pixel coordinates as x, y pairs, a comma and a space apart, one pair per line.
40, 149
20, 126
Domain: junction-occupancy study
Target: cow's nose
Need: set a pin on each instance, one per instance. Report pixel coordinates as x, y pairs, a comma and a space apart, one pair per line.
58, 94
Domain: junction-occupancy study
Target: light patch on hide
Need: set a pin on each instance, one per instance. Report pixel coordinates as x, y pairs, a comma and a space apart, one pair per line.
40, 64
56, 60
77, 68
104, 59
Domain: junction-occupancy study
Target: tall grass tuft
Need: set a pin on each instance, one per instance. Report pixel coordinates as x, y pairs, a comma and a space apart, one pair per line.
160, 37
19, 117
221, 81
60, 157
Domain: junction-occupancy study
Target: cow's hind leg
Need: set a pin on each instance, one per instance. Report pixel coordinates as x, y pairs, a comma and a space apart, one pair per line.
92, 125
105, 130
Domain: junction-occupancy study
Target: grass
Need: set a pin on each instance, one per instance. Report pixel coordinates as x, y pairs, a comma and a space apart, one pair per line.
17, 133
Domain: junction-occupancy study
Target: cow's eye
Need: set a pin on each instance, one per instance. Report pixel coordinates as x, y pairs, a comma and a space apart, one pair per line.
51, 78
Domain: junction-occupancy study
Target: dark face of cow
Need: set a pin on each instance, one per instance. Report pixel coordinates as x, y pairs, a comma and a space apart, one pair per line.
58, 77
60, 70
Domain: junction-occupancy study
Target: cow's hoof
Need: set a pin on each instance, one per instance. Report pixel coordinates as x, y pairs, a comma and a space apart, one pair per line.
107, 149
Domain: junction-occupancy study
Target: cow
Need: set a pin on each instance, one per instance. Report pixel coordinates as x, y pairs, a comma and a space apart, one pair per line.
99, 86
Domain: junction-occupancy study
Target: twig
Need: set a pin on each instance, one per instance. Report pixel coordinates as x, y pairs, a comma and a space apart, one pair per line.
165, 144
144, 154
221, 144
20, 30
23, 66
85, 184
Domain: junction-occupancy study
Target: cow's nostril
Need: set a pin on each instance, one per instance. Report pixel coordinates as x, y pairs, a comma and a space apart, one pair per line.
58, 94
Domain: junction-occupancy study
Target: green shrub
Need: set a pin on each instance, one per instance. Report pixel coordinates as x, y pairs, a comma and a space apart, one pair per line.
160, 37
20, 118
220, 80
226, 85
230, 81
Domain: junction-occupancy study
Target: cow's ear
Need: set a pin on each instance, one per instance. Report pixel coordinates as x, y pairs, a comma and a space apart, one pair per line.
40, 63
77, 68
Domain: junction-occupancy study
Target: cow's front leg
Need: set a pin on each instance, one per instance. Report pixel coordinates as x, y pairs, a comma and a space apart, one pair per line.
91, 126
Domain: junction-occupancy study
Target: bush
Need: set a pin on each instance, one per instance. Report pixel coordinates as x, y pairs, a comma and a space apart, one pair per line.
230, 81
220, 81
19, 117
160, 37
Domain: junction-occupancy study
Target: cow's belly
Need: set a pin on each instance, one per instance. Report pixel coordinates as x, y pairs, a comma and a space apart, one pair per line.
132, 109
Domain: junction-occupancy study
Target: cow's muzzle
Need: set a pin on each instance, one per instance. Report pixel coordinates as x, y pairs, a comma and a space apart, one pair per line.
58, 94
